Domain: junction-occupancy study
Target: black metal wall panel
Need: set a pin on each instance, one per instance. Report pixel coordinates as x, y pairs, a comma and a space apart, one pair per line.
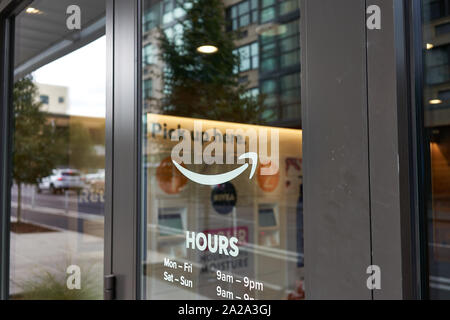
6, 27
336, 179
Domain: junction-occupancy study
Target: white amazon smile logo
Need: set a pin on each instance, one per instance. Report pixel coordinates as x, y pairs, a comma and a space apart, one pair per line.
234, 142
214, 179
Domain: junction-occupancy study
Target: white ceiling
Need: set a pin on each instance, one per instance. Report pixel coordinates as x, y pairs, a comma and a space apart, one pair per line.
42, 38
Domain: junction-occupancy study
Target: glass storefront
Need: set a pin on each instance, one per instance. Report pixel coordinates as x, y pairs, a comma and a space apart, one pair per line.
436, 32
221, 171
57, 196
191, 111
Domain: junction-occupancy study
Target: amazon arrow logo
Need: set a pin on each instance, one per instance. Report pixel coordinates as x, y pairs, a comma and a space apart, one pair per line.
214, 179
235, 143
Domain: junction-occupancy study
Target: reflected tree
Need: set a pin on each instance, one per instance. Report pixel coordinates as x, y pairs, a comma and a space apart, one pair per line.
34, 149
206, 85
81, 151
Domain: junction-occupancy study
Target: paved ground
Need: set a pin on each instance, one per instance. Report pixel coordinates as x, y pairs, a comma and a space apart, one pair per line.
34, 254
78, 239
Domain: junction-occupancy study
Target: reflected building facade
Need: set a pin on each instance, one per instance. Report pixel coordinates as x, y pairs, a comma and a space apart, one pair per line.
436, 35
265, 213
266, 36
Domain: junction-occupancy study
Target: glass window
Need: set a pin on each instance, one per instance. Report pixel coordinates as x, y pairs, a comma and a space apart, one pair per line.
248, 57
268, 14
57, 196
436, 9
44, 99
268, 3
152, 17
289, 59
280, 48
205, 213
437, 64
147, 88
436, 115
288, 6
268, 64
148, 54
242, 14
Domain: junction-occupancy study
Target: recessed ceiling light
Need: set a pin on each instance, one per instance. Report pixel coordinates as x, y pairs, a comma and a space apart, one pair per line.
430, 46
207, 49
31, 10
435, 101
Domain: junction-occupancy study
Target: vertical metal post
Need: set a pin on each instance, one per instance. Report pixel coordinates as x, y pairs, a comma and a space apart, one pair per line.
389, 151
337, 224
126, 135
6, 63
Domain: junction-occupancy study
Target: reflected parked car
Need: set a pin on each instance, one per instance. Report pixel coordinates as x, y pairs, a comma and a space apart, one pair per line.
61, 180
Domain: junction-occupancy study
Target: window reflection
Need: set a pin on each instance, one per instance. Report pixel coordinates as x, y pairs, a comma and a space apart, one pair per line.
211, 107
57, 205
436, 45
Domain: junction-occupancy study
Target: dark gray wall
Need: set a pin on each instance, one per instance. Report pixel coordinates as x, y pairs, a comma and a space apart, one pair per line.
335, 150
356, 144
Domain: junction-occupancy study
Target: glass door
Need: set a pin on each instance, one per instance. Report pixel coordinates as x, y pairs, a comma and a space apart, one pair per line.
221, 169
58, 151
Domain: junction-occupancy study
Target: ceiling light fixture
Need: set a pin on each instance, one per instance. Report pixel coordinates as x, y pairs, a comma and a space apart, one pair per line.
435, 101
430, 46
31, 10
208, 49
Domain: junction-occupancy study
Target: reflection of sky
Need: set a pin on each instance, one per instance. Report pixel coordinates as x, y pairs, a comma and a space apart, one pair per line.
84, 73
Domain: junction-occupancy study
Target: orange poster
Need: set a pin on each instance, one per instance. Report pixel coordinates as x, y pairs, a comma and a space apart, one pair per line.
170, 180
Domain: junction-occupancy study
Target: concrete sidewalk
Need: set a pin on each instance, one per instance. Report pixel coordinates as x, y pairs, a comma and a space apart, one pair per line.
34, 254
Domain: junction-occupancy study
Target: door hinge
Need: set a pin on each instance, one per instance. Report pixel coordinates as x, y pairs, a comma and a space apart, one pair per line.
109, 291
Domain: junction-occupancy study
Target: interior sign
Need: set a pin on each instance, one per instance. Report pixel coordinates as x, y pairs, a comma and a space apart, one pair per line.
224, 198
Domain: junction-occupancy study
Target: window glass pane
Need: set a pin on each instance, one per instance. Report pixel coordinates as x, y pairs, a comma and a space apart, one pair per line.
268, 64
244, 52
254, 48
266, 3
288, 6
289, 59
244, 7
267, 14
208, 96
234, 12
58, 194
255, 16
291, 28
255, 62
436, 132
289, 43
269, 86
269, 49
244, 20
